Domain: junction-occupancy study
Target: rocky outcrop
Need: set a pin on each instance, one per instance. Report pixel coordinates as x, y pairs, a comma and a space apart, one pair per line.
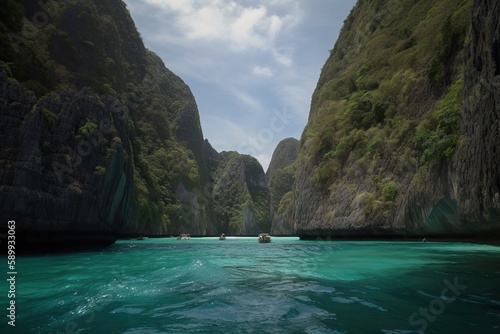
99, 138
169, 148
281, 177
478, 158
66, 164
240, 195
391, 148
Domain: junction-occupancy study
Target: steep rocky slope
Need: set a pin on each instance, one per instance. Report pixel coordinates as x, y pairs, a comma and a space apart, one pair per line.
98, 138
478, 167
239, 194
281, 177
402, 137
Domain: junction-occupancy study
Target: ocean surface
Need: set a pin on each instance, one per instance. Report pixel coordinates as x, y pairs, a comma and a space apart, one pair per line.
204, 285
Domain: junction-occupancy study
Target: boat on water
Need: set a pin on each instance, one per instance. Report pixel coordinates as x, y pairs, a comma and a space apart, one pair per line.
222, 237
141, 237
184, 236
264, 237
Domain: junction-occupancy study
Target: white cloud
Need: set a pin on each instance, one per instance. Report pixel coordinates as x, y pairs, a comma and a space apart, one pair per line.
251, 102
183, 6
214, 125
204, 23
275, 25
282, 59
244, 59
243, 30
226, 22
262, 71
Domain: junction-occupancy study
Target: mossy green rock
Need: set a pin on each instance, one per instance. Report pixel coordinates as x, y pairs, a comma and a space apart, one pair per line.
240, 195
406, 108
98, 137
281, 178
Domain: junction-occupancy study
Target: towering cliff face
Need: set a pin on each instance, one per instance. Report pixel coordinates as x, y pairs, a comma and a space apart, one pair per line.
66, 163
98, 137
383, 153
281, 177
478, 188
240, 194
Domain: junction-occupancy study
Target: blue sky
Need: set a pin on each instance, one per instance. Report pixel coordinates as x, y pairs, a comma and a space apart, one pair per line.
252, 65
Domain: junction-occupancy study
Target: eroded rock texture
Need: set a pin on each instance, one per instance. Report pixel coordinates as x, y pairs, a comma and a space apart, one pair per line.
403, 141
478, 188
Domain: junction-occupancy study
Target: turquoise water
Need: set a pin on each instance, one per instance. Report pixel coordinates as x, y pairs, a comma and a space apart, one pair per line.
241, 286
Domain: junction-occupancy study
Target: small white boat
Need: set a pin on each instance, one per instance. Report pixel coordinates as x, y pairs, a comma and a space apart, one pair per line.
264, 237
184, 236
222, 237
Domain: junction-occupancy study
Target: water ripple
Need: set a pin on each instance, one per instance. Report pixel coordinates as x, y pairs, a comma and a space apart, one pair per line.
240, 286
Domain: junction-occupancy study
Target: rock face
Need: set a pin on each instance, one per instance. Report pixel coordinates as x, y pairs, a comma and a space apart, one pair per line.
56, 182
478, 189
392, 148
169, 156
98, 137
281, 177
240, 195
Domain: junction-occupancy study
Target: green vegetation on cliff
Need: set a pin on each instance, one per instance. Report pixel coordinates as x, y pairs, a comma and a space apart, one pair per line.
281, 171
281, 179
162, 160
95, 44
389, 97
388, 143
240, 195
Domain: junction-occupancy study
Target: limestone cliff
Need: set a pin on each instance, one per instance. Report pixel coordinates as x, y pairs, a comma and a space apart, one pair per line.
98, 137
240, 195
66, 167
402, 137
281, 177
478, 167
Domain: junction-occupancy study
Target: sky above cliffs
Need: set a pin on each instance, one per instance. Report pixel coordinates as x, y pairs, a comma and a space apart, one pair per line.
252, 65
